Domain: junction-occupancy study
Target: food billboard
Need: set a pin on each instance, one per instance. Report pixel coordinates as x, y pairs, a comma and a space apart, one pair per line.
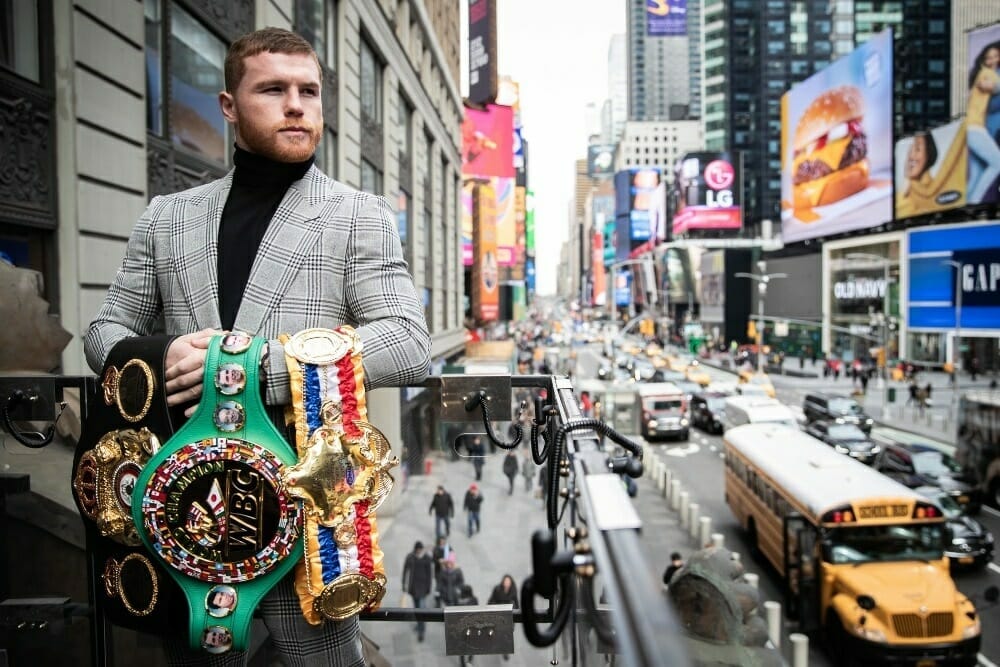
836, 146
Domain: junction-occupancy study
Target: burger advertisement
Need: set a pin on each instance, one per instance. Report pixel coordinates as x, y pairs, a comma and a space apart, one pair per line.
707, 193
836, 146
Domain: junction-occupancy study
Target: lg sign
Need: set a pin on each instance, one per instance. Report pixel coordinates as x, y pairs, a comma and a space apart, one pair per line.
719, 177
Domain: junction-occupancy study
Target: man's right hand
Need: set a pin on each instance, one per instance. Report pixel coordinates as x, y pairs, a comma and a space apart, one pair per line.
185, 367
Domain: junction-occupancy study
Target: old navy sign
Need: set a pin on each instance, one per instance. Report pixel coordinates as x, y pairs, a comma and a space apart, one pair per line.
859, 288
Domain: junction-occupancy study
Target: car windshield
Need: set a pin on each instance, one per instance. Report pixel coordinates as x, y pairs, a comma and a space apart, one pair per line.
935, 463
844, 406
846, 432
661, 405
716, 404
949, 507
877, 544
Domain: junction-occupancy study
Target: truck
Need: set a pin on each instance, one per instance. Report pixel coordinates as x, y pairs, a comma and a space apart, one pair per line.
978, 444
664, 410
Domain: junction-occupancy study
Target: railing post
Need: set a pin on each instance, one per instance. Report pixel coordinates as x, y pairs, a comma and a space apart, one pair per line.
693, 509
752, 579
718, 539
773, 611
800, 649
705, 532
675, 493
684, 509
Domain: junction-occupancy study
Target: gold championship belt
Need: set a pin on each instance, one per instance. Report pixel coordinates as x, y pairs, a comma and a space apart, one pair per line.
127, 420
342, 475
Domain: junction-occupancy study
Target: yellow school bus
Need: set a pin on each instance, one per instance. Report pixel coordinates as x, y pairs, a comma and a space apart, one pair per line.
862, 556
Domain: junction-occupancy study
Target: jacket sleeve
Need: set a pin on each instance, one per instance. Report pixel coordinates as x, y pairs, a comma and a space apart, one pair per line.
382, 299
132, 305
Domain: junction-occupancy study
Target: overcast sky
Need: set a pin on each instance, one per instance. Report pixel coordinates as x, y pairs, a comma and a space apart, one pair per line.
558, 53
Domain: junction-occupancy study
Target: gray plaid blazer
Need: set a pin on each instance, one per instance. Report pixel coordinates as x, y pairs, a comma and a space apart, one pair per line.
330, 256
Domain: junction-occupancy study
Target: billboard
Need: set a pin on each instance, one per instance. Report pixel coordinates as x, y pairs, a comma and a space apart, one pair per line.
666, 18
707, 189
529, 223
932, 289
982, 116
482, 51
488, 142
836, 146
712, 294
658, 214
506, 220
600, 160
485, 270
467, 224
634, 193
597, 267
930, 171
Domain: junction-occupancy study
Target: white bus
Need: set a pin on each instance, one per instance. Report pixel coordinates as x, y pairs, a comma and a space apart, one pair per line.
862, 556
741, 410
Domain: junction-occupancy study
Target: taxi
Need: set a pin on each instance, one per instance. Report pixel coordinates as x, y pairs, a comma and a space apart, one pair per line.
695, 373
760, 380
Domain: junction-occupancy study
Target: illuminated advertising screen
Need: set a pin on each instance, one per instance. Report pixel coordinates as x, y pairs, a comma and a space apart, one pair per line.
597, 264
634, 193
932, 291
488, 142
467, 189
930, 171
600, 160
836, 146
485, 269
482, 51
707, 191
506, 220
529, 223
666, 18
982, 116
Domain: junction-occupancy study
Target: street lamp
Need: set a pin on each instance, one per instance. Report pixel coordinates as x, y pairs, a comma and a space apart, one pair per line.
762, 280
883, 373
956, 353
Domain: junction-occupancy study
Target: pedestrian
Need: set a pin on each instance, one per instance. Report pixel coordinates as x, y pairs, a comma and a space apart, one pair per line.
974, 368
472, 504
478, 454
921, 400
418, 580
197, 264
510, 469
586, 405
912, 400
864, 383
442, 550
927, 391
676, 563
450, 581
505, 593
444, 510
528, 471
543, 482
812, 355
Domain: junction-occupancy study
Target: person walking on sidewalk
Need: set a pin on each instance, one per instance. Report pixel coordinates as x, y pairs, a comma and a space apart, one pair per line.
478, 454
510, 468
441, 552
472, 503
450, 581
505, 593
676, 563
528, 471
418, 579
444, 509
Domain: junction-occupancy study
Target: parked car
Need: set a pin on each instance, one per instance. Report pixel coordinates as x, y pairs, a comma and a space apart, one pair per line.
836, 408
708, 410
761, 380
919, 465
845, 438
696, 373
970, 544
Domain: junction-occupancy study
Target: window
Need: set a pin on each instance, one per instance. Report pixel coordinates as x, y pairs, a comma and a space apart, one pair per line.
371, 82
311, 23
326, 153
371, 177
195, 71
19, 38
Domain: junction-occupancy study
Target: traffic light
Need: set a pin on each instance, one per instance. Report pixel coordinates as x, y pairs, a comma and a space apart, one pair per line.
751, 330
647, 328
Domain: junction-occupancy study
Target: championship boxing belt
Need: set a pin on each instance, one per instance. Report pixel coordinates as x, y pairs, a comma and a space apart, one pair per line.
211, 503
124, 425
342, 476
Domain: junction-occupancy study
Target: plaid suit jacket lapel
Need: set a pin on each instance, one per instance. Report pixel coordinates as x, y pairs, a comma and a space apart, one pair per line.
292, 234
194, 238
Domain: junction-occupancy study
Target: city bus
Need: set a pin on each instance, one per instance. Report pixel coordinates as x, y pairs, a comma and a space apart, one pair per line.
862, 556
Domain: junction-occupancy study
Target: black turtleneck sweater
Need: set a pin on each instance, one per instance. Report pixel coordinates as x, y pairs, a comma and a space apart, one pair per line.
259, 184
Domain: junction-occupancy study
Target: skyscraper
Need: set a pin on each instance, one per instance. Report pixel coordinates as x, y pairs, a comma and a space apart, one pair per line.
657, 69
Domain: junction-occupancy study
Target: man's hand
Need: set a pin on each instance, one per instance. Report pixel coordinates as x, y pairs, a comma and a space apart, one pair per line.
185, 367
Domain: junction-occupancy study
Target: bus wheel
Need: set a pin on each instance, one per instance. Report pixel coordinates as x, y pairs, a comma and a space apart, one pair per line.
752, 538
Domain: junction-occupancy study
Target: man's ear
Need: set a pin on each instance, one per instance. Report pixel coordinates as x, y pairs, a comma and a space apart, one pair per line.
228, 106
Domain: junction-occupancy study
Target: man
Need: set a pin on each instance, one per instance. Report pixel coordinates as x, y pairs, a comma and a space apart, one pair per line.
478, 455
418, 575
676, 563
273, 247
510, 468
472, 504
444, 509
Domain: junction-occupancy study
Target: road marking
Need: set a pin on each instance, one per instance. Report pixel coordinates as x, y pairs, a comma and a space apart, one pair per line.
985, 662
994, 567
990, 510
682, 452
713, 448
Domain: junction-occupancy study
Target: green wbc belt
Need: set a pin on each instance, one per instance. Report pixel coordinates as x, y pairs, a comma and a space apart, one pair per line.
210, 504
